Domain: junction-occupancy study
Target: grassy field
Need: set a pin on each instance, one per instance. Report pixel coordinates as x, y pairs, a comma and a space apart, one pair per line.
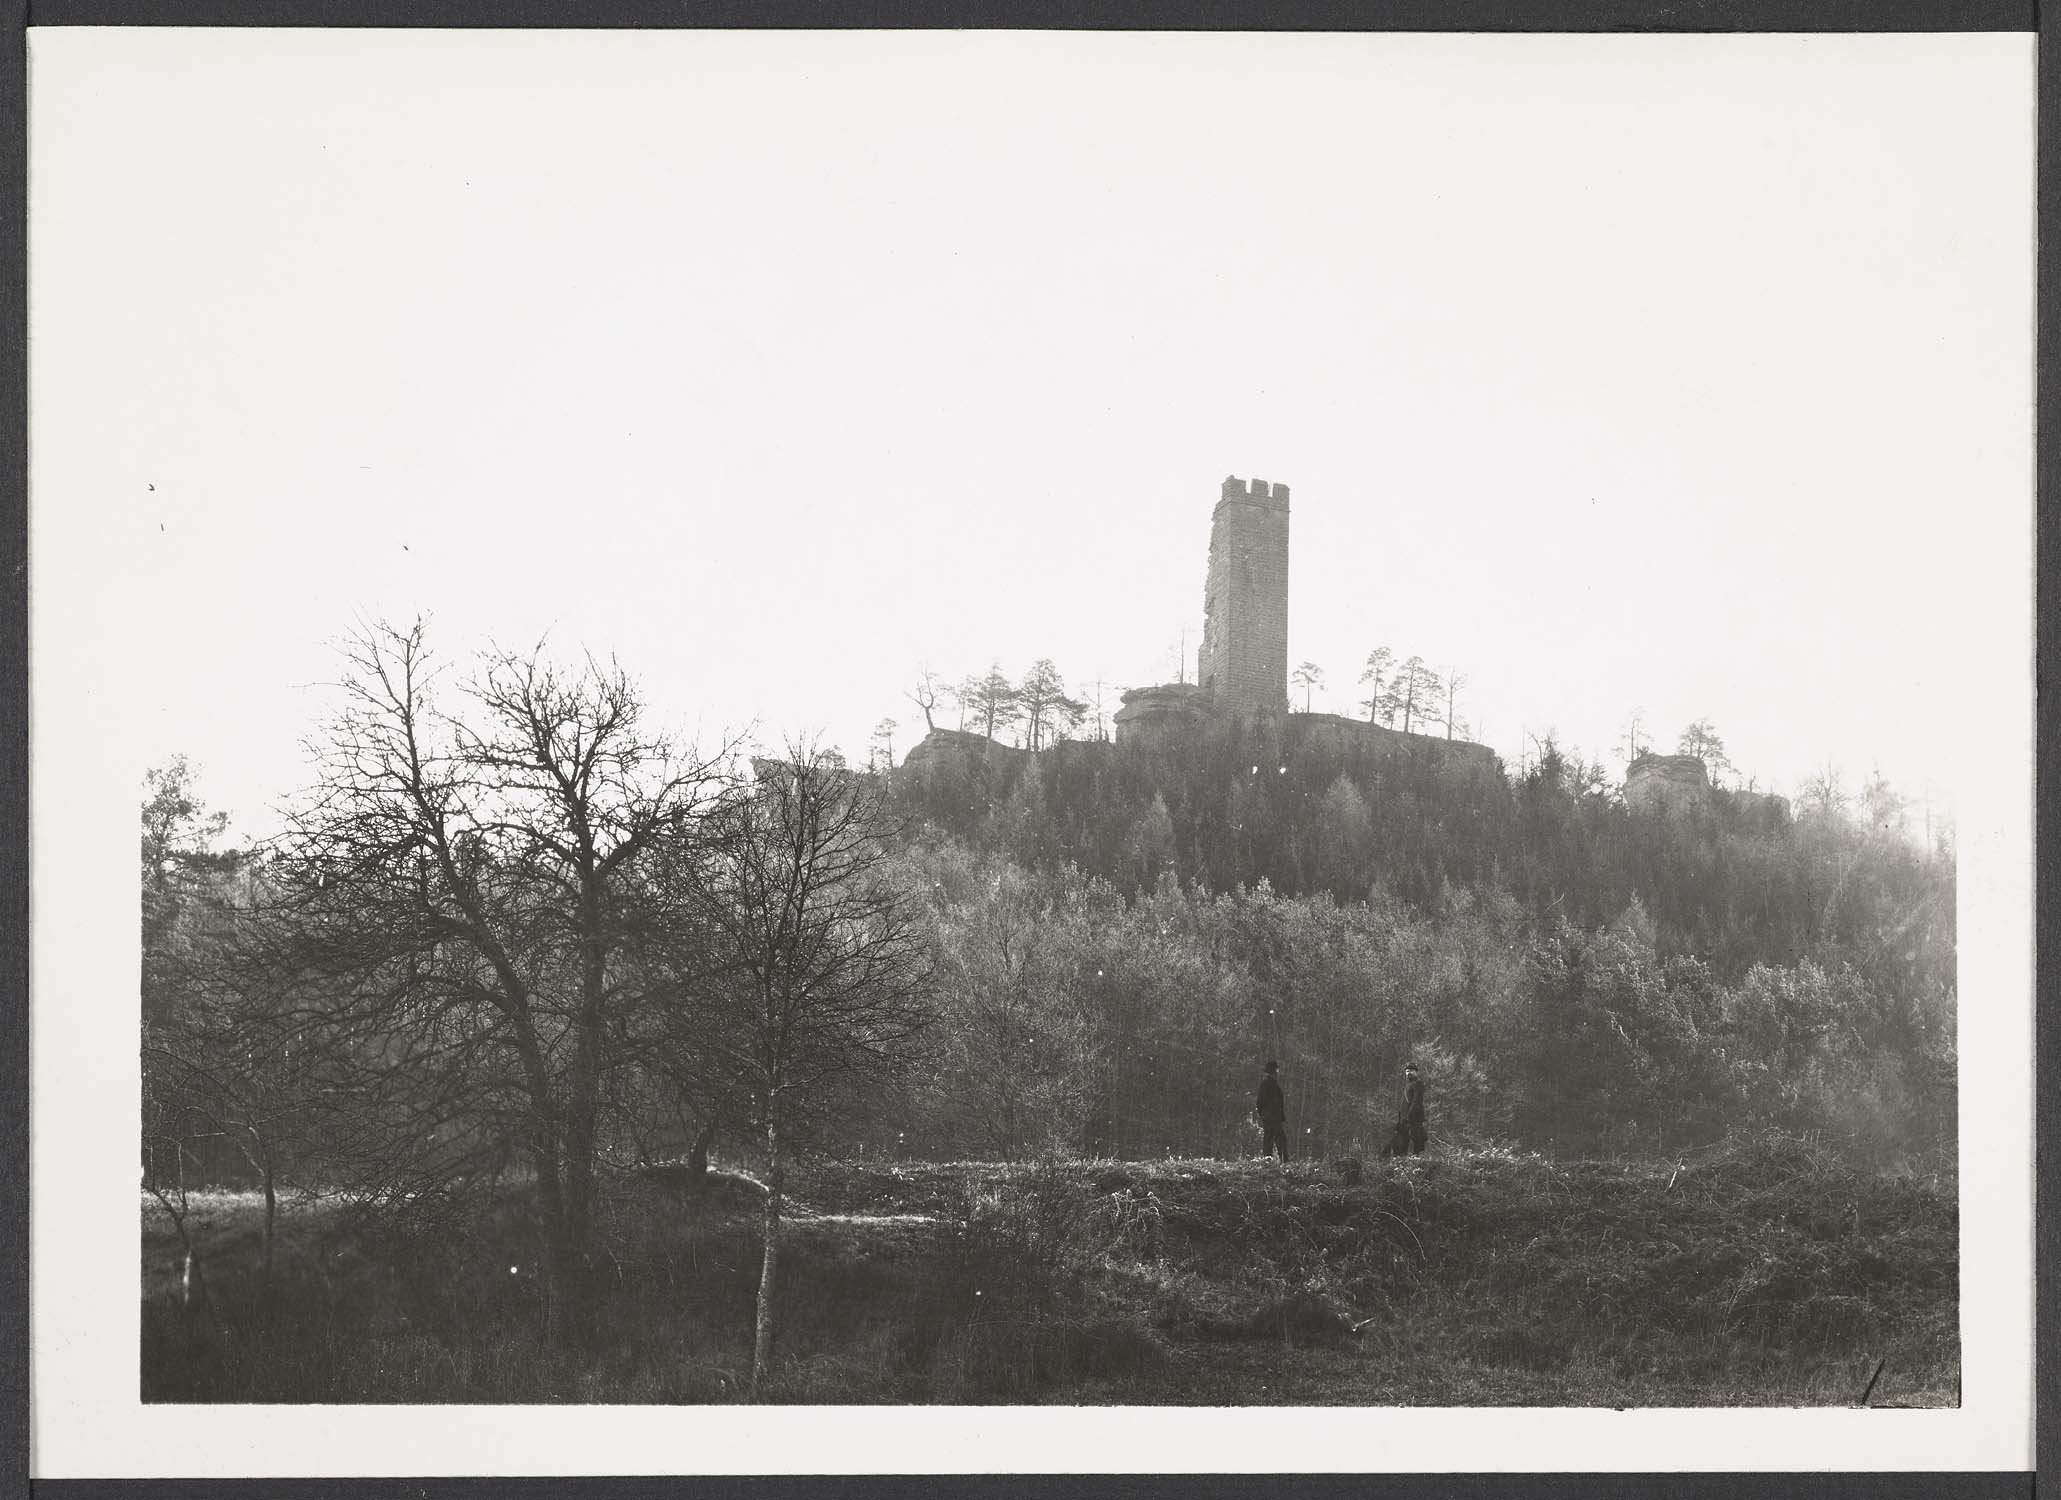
1764, 1273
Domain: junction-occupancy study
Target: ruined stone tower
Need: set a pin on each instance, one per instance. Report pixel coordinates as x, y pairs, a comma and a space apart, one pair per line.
1245, 603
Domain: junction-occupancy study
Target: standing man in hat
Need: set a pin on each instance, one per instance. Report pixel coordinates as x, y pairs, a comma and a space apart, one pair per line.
1272, 1109
1413, 1108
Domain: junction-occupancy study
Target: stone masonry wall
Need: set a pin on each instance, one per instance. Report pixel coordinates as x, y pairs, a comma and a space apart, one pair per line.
1245, 602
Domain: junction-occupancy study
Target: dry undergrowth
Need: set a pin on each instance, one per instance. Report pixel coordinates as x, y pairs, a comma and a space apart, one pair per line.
1762, 1272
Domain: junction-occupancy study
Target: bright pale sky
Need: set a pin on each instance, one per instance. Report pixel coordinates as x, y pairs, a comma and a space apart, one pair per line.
1676, 373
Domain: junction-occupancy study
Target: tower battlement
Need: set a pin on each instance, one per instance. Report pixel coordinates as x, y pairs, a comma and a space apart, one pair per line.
1274, 497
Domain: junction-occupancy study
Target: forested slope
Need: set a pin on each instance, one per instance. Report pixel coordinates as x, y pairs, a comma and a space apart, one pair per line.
1124, 930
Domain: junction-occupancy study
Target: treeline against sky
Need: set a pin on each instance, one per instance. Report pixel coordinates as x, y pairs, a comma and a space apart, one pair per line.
1112, 938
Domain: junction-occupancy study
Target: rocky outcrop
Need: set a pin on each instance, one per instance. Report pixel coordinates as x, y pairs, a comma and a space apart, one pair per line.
1171, 706
1336, 732
1666, 783
1765, 804
1177, 708
1681, 784
941, 743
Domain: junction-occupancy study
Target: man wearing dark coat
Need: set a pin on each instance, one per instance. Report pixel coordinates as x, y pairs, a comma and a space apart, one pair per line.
1413, 1108
1272, 1109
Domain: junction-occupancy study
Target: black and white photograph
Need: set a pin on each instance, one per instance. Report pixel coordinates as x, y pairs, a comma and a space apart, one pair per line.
1211, 741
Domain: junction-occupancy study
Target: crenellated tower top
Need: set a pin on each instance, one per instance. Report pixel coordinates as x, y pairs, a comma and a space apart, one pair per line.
1259, 492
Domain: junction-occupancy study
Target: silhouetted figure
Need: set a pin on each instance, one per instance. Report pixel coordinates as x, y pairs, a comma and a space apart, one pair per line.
1272, 1109
1412, 1122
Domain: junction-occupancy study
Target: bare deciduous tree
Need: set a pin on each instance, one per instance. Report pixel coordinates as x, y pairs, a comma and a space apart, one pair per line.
1094, 712
227, 1067
1634, 743
1455, 680
1884, 804
1824, 793
456, 907
219, 1072
928, 694
823, 980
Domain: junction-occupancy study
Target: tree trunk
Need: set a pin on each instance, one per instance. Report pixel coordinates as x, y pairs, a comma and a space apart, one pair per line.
193, 1281
194, 1287
561, 1249
581, 1133
769, 1265
563, 1242
271, 1226
578, 1225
